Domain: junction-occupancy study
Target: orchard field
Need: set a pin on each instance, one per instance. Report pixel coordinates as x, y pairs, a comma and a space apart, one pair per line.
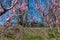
34, 18
13, 33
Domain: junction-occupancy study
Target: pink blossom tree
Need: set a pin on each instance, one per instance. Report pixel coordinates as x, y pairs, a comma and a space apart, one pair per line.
22, 6
52, 18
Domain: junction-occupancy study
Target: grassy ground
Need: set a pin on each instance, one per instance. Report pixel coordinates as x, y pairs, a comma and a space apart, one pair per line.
33, 34
41, 34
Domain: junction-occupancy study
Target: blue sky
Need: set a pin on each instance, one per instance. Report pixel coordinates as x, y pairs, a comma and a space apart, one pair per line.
31, 12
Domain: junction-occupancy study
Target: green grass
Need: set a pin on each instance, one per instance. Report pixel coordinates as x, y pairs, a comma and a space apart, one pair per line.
31, 34
30, 37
